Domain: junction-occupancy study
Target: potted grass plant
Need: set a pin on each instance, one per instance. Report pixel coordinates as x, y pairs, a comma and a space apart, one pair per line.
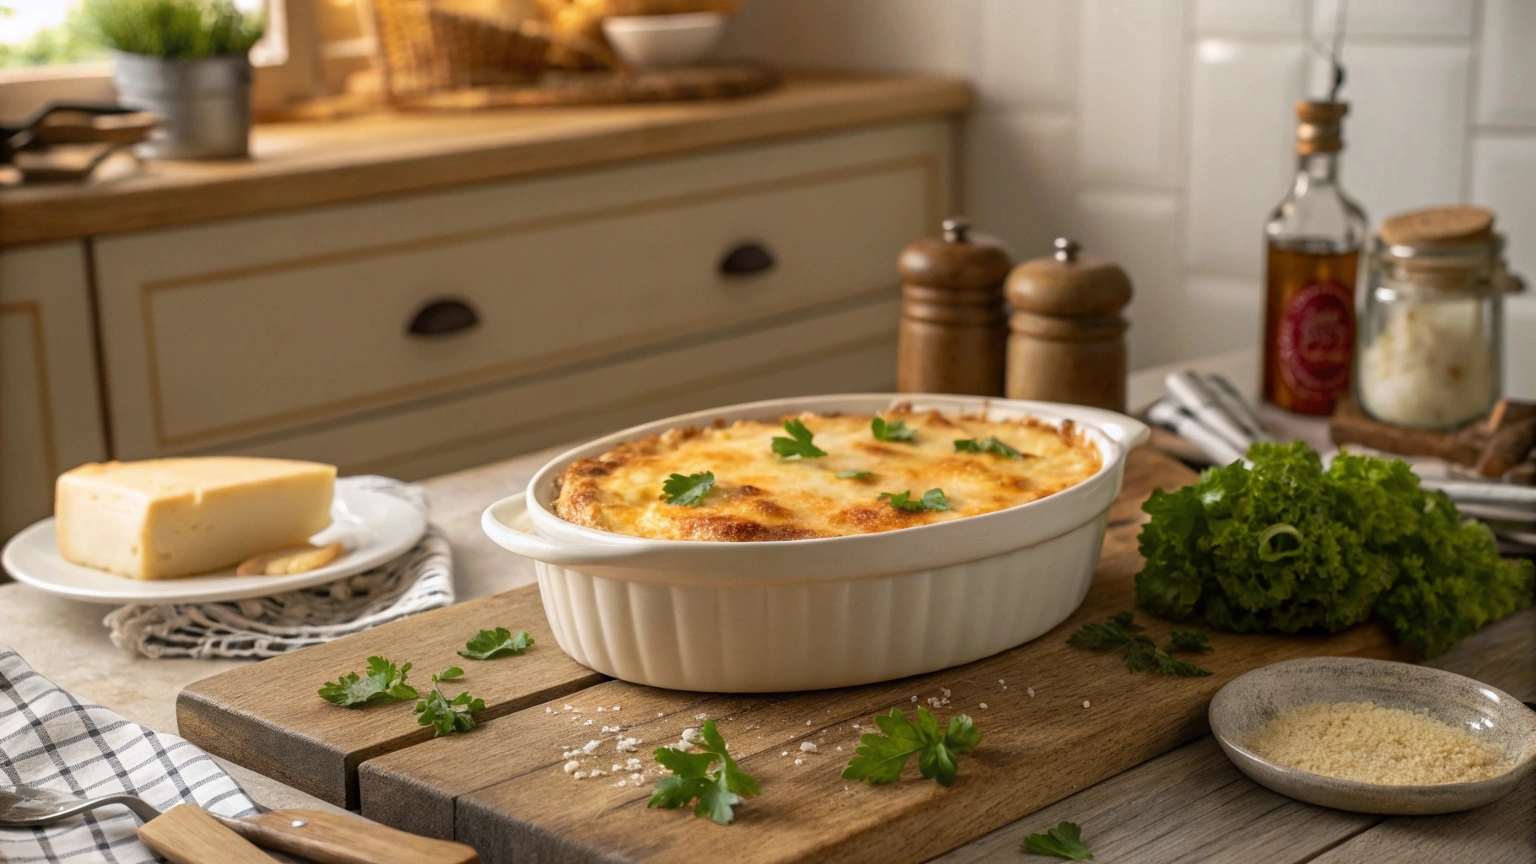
186, 61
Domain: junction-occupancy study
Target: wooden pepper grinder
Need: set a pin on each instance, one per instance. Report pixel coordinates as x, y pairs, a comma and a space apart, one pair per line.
954, 327
1068, 341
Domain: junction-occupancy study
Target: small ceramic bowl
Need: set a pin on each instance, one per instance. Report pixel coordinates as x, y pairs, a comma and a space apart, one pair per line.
1252, 700
664, 41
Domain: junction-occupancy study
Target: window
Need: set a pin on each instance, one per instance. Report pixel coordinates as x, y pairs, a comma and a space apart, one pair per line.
46, 55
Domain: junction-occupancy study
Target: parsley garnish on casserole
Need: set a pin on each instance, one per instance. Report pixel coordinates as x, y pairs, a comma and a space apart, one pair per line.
758, 495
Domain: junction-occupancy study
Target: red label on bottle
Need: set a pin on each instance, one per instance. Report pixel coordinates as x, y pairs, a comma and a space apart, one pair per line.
1316, 341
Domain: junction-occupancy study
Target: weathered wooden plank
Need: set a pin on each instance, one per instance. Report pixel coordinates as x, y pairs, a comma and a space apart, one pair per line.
267, 717
1188, 805
507, 795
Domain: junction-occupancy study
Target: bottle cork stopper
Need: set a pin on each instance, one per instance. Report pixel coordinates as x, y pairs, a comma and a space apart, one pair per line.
1438, 225
1320, 126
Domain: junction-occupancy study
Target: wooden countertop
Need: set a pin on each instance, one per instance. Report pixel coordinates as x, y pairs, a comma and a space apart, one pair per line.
323, 162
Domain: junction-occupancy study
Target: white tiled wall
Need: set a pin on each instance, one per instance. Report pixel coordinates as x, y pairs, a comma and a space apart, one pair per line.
1158, 132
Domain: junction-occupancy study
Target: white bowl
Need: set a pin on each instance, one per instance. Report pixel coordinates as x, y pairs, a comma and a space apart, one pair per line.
664, 41
831, 612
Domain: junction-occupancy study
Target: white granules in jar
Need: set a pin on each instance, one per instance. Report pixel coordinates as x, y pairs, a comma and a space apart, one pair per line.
1364, 742
1431, 365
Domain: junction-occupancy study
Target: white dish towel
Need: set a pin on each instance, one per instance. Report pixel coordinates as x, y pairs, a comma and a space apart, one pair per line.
51, 739
419, 580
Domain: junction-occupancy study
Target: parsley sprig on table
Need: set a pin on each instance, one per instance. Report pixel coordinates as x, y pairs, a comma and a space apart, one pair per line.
1193, 641
718, 791
1063, 841
881, 757
933, 499
446, 715
500, 642
799, 444
895, 430
688, 491
382, 680
1121, 634
986, 445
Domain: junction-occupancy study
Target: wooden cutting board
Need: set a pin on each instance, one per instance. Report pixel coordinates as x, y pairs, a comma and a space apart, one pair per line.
502, 789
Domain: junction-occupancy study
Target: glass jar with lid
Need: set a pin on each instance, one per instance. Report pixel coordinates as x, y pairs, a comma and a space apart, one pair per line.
1430, 349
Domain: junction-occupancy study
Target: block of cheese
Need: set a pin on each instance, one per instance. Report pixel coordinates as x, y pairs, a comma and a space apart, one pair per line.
163, 518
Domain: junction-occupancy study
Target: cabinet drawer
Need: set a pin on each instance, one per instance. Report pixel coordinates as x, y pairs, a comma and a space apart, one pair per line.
551, 273
849, 349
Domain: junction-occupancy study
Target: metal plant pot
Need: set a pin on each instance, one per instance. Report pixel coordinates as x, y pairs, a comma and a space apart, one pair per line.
204, 105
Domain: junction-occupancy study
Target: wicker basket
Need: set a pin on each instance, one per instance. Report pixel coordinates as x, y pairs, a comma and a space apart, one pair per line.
423, 49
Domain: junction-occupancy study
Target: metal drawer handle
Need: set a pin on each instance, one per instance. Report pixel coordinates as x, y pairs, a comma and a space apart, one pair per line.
441, 317
746, 259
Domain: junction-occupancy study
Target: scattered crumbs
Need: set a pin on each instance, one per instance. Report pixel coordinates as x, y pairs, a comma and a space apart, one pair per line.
799, 761
700, 716
614, 708
622, 783
607, 729
632, 764
785, 753
660, 714
636, 778
591, 747
983, 706
807, 722
572, 766
601, 709
568, 707
945, 691
691, 735
1030, 691
807, 747
914, 698
855, 725
1085, 703
840, 749
628, 745
548, 710
596, 772
579, 775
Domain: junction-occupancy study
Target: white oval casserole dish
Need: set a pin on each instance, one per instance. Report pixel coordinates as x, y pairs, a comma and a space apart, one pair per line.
830, 612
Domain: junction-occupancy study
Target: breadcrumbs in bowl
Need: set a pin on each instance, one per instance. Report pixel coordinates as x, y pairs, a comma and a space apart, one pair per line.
1366, 742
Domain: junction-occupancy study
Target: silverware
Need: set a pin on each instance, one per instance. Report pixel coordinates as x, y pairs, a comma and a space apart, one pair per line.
312, 834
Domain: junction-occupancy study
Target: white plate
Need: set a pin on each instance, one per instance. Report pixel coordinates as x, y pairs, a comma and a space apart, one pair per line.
375, 528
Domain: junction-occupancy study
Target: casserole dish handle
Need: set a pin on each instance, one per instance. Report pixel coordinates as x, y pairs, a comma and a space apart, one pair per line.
1128, 432
497, 522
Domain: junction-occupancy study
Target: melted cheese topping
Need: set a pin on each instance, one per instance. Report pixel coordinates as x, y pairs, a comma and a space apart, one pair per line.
761, 496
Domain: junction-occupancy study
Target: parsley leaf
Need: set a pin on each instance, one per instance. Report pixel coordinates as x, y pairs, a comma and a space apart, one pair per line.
852, 474
1193, 641
496, 643
688, 491
717, 792
895, 430
986, 445
933, 499
798, 445
1119, 633
1063, 841
881, 757
445, 715
382, 681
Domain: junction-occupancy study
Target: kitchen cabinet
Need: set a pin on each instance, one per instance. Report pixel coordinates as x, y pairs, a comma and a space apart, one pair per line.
50, 408
424, 333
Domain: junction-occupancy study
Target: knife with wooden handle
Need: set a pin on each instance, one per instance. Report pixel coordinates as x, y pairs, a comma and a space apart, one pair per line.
332, 839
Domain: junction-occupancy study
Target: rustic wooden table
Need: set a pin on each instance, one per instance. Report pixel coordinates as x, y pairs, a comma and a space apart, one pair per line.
1188, 804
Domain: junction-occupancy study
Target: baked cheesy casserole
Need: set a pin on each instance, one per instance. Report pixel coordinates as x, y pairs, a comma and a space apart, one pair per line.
874, 474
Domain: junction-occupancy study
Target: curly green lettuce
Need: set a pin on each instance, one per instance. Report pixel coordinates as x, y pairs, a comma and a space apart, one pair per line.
1285, 546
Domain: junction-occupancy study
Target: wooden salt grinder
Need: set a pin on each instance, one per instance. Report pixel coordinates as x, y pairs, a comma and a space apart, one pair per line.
954, 327
1068, 341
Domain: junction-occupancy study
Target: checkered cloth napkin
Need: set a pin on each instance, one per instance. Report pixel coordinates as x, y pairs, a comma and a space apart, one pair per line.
51, 739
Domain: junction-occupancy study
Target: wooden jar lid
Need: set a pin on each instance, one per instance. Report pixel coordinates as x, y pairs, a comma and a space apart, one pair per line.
958, 261
1069, 284
1438, 225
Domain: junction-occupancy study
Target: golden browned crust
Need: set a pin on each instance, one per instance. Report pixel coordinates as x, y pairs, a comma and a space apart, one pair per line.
760, 496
